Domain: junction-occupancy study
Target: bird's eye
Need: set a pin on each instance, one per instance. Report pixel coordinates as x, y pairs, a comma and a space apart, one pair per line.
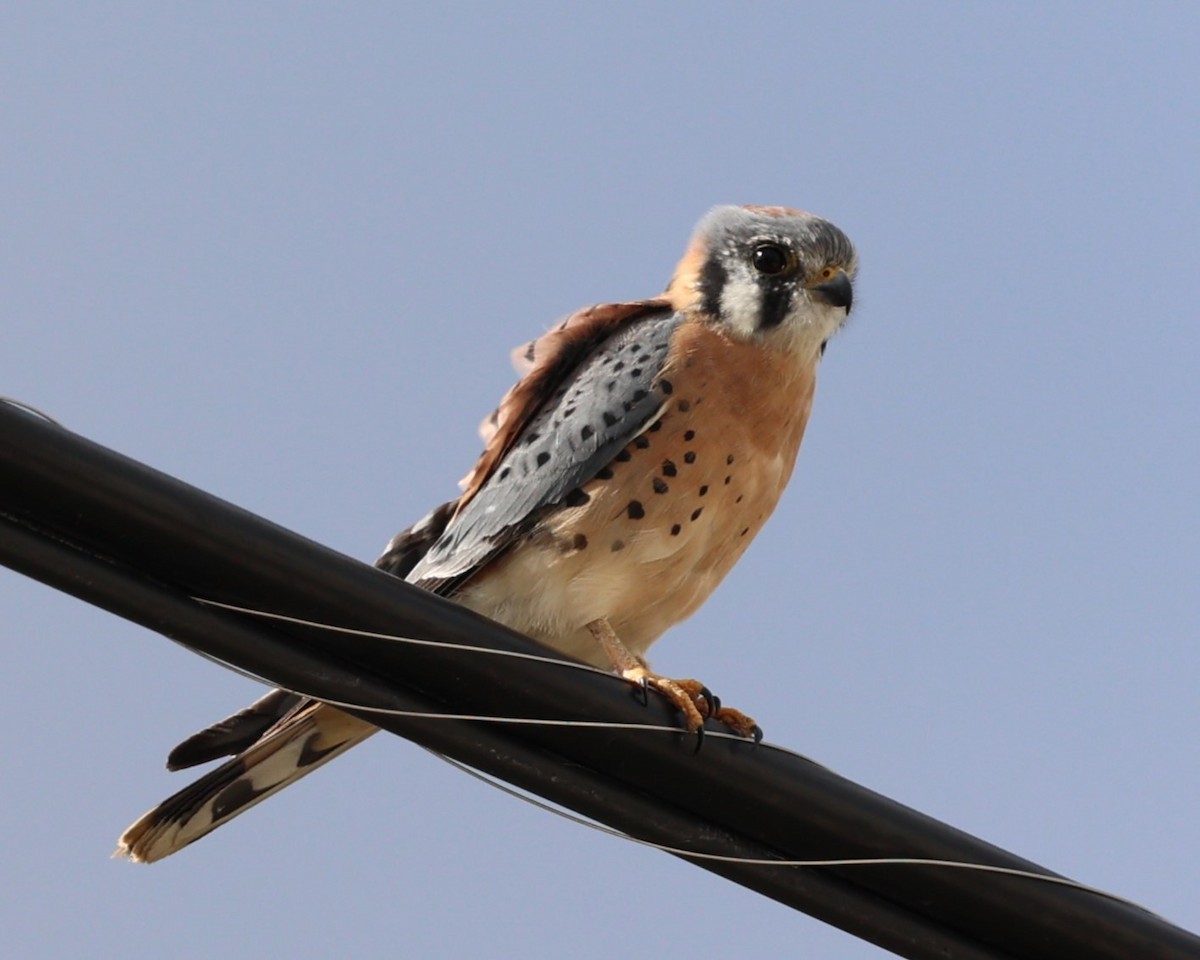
772, 259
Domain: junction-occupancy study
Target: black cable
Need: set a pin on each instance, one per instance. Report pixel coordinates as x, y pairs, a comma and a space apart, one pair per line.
141, 544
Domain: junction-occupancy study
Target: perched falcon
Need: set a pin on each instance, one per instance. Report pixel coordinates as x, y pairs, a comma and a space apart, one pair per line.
623, 476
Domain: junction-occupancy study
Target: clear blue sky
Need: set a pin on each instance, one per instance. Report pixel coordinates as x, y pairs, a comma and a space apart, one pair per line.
282, 252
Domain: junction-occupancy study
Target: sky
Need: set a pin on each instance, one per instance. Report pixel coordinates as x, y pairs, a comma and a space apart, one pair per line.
282, 252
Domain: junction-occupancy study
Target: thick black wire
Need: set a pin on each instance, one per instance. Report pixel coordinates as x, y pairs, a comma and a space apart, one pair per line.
118, 534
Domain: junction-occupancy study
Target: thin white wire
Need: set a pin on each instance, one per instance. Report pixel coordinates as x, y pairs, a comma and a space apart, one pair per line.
602, 724
29, 408
766, 862
468, 648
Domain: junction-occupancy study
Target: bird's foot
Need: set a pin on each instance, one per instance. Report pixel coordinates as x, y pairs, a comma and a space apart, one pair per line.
690, 697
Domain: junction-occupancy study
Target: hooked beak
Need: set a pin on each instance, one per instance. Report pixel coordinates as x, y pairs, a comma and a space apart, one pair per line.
837, 292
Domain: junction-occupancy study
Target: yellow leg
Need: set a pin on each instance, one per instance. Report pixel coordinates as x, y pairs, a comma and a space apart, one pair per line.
689, 697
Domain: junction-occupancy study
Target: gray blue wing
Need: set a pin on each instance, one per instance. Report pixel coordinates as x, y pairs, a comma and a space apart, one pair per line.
610, 396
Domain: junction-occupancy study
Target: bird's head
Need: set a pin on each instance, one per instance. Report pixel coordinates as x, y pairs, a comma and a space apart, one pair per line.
777, 276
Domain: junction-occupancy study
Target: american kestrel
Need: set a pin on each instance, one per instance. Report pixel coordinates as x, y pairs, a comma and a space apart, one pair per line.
622, 477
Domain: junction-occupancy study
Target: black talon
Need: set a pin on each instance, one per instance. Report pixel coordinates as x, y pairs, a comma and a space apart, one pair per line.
699, 739
757, 734
710, 698
641, 692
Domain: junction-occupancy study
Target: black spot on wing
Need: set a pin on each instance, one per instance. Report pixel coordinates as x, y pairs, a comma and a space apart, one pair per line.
555, 455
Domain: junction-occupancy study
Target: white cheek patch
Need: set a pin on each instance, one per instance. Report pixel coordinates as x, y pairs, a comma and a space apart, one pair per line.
741, 305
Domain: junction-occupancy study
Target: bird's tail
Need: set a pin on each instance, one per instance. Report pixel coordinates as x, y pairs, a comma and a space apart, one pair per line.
275, 741
309, 737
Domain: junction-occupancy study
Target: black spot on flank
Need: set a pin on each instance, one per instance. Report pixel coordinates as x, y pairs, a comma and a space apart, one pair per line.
703, 489
635, 510
669, 469
744, 532
604, 473
666, 386
618, 545
684, 406
503, 475
543, 458
689, 436
576, 498
727, 479
635, 348
580, 542
611, 419
642, 443
531, 436
654, 427
660, 485
729, 460
624, 456
696, 513
689, 457
635, 372
619, 365
639, 396
824, 344
675, 528
586, 433
610, 386
739, 499
567, 411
